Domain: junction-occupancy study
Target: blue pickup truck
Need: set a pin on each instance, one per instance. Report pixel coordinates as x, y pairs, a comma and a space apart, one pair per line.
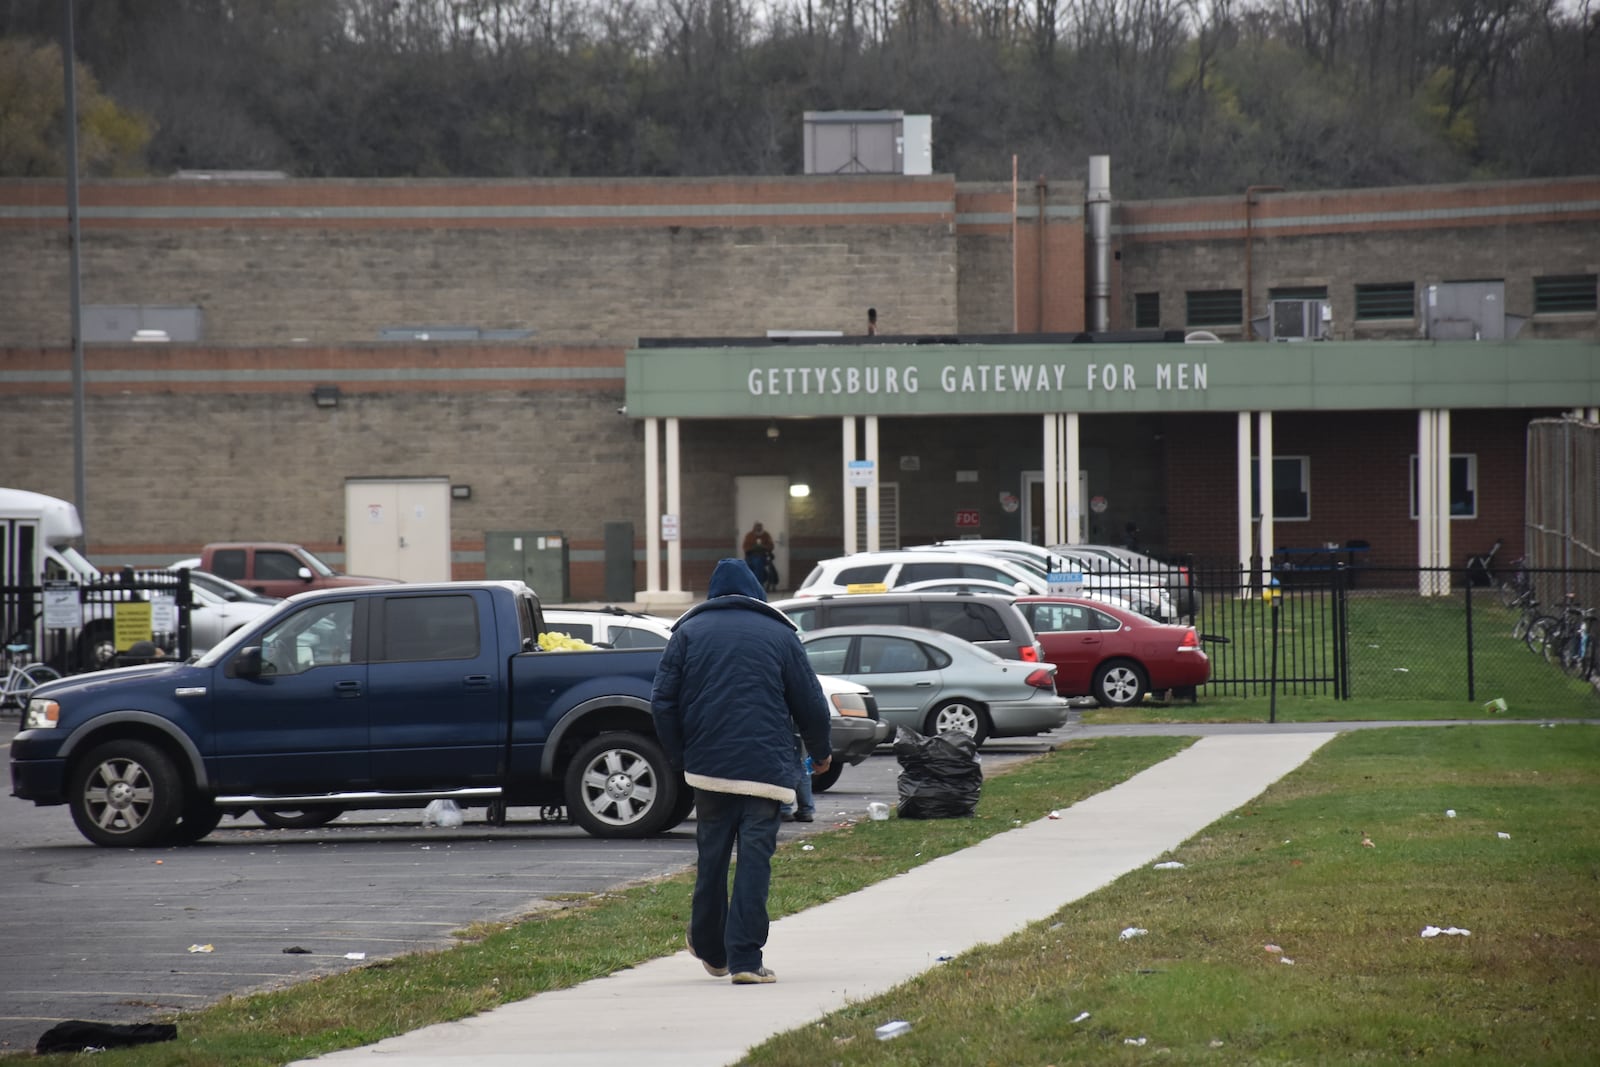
373, 697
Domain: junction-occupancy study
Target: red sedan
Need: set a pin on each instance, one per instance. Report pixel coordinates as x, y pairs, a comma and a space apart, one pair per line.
1113, 655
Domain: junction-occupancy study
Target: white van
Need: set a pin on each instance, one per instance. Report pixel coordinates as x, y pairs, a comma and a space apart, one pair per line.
39, 538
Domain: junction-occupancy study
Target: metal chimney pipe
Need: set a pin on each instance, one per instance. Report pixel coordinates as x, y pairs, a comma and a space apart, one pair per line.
1100, 235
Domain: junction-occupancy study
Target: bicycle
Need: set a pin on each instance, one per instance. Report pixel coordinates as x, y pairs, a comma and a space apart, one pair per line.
1528, 604
1514, 588
1574, 648
23, 677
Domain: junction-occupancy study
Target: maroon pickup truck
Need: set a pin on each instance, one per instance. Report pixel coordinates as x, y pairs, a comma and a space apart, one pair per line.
274, 568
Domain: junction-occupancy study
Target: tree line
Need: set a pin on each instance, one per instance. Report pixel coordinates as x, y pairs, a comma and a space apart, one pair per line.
1188, 98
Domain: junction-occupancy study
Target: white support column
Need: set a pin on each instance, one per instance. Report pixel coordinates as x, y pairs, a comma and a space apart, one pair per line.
674, 503
873, 541
1441, 481
1242, 475
1072, 461
1269, 537
848, 451
652, 507
1052, 483
1425, 499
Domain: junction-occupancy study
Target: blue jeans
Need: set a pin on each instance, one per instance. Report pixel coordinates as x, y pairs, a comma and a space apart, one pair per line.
805, 800
732, 930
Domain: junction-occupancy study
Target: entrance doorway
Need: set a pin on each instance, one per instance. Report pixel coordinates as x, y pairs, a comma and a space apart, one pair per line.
1033, 510
398, 528
765, 499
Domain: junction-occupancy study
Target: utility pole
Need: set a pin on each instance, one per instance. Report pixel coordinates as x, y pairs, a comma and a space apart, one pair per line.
69, 65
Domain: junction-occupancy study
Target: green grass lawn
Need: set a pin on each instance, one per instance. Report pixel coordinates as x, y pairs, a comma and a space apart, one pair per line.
1293, 877
1408, 659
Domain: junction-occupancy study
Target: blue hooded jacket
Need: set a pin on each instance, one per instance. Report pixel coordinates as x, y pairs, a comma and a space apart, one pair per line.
733, 689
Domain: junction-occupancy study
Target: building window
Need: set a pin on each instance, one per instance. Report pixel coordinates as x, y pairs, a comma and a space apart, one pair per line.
1214, 307
1564, 292
1298, 292
1463, 486
1386, 300
1291, 487
1147, 311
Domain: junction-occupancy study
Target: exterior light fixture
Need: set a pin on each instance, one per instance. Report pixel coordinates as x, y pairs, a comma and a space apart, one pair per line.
799, 489
772, 431
325, 396
461, 492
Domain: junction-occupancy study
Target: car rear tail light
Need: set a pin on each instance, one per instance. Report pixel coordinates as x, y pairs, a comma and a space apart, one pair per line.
1042, 678
1028, 653
1190, 642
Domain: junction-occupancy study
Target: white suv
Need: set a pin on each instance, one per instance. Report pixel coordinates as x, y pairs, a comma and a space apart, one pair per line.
881, 571
609, 627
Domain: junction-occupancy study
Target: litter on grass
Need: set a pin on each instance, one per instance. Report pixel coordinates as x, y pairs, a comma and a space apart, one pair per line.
1448, 931
1132, 932
1502, 835
1169, 865
1286, 959
1082, 1015
891, 1030
1134, 1041
1450, 813
808, 848
1273, 948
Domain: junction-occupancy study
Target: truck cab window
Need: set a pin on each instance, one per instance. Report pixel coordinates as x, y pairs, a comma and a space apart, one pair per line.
277, 567
430, 627
314, 637
228, 563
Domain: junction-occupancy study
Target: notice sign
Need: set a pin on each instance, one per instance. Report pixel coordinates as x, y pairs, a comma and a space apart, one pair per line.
669, 527
1066, 583
131, 620
164, 613
860, 473
62, 609
968, 519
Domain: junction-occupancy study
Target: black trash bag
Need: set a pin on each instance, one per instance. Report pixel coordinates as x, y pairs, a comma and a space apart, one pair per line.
941, 776
76, 1035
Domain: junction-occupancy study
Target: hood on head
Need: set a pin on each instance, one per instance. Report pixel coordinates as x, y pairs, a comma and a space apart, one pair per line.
733, 577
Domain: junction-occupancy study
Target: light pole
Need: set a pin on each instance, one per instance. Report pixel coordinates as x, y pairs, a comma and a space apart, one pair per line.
1249, 246
75, 311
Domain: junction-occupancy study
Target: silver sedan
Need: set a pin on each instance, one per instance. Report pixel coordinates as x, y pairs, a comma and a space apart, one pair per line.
931, 682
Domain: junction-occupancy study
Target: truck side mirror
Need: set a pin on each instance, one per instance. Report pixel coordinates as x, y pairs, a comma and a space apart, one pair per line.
304, 573
247, 664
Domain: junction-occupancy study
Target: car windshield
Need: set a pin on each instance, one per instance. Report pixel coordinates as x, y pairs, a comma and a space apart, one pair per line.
317, 565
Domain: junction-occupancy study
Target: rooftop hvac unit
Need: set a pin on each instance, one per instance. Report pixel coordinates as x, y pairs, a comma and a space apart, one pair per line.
868, 142
1301, 320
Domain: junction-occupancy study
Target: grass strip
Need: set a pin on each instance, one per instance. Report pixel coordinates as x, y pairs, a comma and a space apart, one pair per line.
562, 947
1338, 868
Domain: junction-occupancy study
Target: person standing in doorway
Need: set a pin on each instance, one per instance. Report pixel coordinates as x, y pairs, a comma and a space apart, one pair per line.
732, 691
758, 551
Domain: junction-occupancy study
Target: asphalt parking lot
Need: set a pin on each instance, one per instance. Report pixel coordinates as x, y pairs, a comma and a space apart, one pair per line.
107, 934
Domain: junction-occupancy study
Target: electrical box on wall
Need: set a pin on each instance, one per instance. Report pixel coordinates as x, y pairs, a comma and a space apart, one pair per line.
1300, 320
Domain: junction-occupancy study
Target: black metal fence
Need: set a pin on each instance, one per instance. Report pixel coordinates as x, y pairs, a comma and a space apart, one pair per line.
76, 628
1365, 632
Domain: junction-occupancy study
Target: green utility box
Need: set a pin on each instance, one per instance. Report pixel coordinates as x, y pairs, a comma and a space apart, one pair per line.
538, 557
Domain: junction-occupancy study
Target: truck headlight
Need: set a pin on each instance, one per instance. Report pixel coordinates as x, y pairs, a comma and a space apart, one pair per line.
42, 715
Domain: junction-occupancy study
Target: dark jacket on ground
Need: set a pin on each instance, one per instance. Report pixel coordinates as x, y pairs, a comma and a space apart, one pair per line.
733, 689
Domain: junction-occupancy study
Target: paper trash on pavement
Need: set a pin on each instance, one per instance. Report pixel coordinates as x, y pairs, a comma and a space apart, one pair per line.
199, 948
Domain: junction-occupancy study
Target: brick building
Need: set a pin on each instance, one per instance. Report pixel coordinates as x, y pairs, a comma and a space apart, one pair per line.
484, 332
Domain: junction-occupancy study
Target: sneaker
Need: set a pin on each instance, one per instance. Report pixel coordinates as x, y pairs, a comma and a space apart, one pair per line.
804, 816
759, 976
711, 969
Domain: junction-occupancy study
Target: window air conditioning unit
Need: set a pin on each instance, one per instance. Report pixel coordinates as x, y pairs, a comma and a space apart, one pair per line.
1301, 320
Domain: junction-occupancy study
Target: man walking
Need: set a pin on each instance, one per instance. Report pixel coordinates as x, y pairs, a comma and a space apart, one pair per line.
732, 690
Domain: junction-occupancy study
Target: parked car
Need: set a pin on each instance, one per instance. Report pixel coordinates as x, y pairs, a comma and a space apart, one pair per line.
973, 585
988, 621
1113, 655
1100, 576
275, 568
932, 682
232, 592
1176, 577
610, 627
854, 730
879, 572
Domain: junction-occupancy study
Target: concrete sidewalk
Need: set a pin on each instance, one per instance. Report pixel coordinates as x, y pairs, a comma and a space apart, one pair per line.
669, 1013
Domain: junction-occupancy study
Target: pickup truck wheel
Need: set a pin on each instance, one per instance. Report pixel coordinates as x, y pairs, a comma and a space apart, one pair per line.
821, 783
126, 793
298, 818
620, 785
199, 818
